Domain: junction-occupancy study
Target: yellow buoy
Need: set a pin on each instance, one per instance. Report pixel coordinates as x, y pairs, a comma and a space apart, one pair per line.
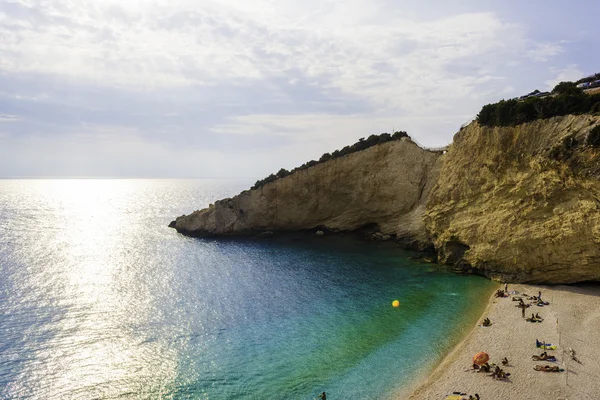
395, 303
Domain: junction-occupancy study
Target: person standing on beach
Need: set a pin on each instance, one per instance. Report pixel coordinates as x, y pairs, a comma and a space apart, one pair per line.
523, 307
506, 288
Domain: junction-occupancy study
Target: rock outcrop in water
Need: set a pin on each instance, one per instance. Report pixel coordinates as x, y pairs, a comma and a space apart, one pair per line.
520, 204
382, 188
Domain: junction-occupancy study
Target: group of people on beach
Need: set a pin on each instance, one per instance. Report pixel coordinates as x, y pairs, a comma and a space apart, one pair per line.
496, 373
537, 300
535, 318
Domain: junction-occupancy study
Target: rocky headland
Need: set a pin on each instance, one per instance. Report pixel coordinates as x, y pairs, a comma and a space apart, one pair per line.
382, 189
519, 204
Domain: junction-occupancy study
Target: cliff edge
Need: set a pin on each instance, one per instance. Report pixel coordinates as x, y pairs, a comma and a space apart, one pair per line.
383, 188
516, 204
520, 204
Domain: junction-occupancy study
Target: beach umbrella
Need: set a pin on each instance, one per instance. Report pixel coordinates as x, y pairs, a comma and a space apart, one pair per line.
481, 358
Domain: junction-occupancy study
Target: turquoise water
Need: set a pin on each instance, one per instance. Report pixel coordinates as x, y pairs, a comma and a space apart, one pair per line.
99, 299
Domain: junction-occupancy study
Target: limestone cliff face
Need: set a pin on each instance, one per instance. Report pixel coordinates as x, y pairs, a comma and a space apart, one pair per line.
520, 204
385, 185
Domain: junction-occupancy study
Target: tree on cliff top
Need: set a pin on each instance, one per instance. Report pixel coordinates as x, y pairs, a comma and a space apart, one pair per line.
362, 144
564, 87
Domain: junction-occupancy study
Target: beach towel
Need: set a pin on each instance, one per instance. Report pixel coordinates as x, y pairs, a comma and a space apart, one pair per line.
545, 346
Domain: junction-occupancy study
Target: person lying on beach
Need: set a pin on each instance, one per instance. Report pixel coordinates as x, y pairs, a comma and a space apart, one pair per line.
461, 396
487, 322
547, 368
542, 303
543, 357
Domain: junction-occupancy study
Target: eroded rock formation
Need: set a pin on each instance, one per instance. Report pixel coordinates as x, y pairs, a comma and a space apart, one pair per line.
520, 203
383, 187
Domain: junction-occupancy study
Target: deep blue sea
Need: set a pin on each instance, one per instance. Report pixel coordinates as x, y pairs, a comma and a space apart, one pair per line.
99, 299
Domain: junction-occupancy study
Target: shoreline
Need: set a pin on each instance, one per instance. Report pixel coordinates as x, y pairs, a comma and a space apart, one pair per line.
571, 320
428, 374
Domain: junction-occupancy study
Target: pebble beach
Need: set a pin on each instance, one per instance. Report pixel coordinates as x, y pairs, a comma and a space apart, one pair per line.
571, 322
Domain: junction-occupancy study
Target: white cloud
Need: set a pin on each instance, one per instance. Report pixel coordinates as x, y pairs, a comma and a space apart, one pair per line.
542, 52
570, 73
9, 118
357, 49
342, 69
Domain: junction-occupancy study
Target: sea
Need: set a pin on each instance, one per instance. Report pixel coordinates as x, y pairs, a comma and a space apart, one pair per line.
99, 299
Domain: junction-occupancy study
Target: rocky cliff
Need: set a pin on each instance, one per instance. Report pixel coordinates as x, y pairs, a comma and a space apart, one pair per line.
520, 203
383, 188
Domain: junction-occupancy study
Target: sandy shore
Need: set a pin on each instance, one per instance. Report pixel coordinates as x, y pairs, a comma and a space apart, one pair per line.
572, 320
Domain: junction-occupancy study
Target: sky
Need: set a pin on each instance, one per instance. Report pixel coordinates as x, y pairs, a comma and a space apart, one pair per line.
242, 88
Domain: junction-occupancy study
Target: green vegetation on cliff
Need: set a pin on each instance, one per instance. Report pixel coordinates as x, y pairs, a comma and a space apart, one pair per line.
362, 144
566, 99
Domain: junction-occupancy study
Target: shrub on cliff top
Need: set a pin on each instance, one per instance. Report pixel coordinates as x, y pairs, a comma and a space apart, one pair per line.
571, 100
362, 144
564, 87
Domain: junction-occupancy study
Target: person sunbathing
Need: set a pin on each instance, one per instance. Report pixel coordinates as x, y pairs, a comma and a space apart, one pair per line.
543, 357
547, 368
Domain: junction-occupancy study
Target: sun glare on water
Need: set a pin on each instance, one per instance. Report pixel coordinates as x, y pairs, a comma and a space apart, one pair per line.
89, 277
